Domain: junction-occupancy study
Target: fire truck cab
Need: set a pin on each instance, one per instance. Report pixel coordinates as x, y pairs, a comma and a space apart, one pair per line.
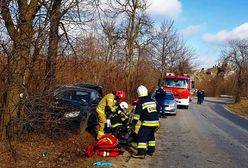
180, 85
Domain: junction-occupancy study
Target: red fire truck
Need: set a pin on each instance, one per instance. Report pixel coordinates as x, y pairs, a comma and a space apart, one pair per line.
180, 85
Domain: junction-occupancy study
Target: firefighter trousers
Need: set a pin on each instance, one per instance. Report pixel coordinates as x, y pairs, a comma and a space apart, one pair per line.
146, 140
101, 122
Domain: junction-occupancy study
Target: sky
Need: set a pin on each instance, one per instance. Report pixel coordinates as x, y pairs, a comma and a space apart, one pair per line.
206, 25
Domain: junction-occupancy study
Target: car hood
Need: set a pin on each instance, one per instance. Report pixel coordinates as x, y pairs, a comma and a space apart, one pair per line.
169, 101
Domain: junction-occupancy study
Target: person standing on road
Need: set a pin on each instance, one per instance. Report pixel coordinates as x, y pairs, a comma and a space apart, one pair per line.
106, 106
198, 96
147, 113
160, 95
202, 95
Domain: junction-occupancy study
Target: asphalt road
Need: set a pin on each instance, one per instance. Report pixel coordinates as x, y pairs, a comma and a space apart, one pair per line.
204, 136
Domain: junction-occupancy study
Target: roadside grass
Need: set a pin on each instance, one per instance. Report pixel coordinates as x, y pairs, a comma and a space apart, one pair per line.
240, 108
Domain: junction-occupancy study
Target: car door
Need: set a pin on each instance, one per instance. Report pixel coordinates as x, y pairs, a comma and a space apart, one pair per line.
95, 98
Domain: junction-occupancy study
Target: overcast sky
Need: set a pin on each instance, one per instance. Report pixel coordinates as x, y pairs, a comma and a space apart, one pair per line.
206, 25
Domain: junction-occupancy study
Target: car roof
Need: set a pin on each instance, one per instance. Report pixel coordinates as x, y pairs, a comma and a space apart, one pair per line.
168, 92
96, 87
89, 85
73, 87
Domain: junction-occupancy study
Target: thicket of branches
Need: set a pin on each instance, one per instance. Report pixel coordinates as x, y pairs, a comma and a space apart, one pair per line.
112, 43
230, 76
236, 57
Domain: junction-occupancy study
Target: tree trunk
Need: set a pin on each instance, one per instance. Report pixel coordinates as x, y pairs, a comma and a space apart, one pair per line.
17, 84
54, 16
18, 71
239, 86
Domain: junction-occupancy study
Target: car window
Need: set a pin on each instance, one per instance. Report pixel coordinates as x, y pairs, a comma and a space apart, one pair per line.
95, 96
76, 95
66, 94
80, 96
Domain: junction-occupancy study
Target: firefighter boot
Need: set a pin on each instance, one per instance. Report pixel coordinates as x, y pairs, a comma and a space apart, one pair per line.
139, 156
150, 154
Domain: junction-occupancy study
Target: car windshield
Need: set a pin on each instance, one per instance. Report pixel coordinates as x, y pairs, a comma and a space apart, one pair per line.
176, 83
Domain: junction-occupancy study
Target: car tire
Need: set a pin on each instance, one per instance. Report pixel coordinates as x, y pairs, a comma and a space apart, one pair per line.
83, 122
92, 124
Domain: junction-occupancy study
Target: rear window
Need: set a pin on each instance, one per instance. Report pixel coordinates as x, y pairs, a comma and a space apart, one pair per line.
169, 96
81, 95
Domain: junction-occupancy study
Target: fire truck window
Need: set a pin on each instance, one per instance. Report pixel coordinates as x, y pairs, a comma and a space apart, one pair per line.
176, 83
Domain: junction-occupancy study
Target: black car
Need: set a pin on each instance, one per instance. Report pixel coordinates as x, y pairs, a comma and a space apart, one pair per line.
94, 86
75, 106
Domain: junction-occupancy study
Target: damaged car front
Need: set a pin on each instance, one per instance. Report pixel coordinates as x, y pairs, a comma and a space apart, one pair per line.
73, 106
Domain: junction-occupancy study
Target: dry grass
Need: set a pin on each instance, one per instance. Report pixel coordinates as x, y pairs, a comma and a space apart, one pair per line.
240, 108
41, 151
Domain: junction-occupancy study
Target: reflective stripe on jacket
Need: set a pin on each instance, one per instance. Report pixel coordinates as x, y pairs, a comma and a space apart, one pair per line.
146, 112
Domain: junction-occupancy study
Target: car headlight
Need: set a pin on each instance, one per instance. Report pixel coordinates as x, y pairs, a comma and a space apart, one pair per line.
172, 105
71, 114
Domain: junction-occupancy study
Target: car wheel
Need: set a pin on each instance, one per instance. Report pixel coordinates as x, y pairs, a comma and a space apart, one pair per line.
83, 122
92, 124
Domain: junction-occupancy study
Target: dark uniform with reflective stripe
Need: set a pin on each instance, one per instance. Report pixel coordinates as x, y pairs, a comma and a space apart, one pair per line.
160, 96
147, 113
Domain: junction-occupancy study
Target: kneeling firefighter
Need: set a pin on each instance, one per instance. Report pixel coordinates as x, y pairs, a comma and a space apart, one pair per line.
147, 113
107, 105
120, 116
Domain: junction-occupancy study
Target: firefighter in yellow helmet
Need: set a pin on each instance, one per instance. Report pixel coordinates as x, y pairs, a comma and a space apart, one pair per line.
106, 106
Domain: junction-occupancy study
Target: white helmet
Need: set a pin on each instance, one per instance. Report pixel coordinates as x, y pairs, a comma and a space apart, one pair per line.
124, 105
142, 91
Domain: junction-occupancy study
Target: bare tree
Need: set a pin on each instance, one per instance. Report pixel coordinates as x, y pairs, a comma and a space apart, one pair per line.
31, 25
185, 58
133, 24
237, 57
63, 16
18, 18
163, 42
170, 52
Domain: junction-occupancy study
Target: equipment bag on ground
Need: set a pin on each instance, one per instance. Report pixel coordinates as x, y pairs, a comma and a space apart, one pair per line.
107, 145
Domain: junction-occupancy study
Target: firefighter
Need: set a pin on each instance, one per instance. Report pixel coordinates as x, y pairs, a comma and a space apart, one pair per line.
120, 116
147, 113
107, 105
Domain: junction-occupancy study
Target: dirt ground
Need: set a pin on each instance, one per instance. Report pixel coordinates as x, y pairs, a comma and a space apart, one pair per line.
63, 151
40, 151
